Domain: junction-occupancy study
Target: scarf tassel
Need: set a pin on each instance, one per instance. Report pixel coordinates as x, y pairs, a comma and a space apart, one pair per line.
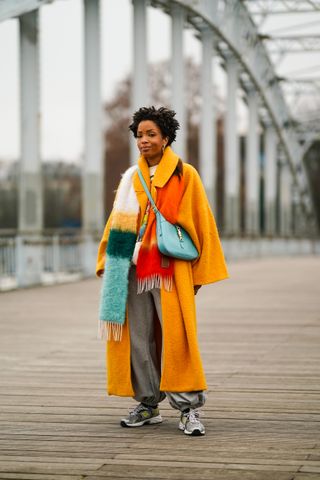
110, 330
154, 281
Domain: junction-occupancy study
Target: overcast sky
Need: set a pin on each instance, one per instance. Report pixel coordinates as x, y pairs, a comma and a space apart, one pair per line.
61, 69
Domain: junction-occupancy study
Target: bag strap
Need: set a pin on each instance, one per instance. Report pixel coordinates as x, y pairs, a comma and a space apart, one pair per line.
154, 206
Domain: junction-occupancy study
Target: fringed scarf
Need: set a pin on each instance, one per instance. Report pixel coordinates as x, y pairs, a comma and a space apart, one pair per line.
153, 269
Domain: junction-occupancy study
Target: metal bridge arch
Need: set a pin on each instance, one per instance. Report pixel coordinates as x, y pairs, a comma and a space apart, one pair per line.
233, 35
237, 34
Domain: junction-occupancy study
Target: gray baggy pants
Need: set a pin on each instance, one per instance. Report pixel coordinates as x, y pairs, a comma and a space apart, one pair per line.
145, 367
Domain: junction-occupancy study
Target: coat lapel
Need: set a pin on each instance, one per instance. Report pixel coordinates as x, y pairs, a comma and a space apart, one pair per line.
164, 171
165, 168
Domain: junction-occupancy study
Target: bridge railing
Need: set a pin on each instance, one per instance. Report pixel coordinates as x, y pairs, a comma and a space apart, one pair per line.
62, 253
29, 259
55, 257
7, 256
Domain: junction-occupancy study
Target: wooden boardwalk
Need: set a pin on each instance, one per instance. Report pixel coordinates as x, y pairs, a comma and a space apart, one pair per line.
260, 338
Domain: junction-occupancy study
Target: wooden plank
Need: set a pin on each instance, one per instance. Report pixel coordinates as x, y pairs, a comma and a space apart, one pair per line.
262, 358
37, 476
178, 473
306, 476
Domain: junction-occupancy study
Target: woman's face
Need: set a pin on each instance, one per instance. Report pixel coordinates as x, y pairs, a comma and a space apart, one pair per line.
150, 141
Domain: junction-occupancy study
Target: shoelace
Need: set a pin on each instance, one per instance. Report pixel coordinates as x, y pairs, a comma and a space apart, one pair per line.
193, 415
137, 409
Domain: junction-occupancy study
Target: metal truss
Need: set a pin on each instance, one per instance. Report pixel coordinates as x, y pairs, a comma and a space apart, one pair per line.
236, 25
301, 89
15, 8
292, 43
298, 91
238, 35
278, 7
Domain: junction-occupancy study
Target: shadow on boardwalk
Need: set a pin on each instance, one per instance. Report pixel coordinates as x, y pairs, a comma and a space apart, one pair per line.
260, 339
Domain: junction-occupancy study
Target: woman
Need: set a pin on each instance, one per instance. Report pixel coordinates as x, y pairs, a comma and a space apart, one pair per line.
147, 300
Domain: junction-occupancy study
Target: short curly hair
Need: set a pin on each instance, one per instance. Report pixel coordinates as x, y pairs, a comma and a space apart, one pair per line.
162, 117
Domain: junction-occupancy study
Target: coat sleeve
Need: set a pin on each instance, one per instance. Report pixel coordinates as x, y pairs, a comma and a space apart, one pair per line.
101, 257
196, 217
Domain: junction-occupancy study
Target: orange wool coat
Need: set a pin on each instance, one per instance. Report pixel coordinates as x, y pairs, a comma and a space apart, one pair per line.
182, 369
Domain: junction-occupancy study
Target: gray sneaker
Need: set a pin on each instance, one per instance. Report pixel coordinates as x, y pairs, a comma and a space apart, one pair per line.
141, 415
190, 423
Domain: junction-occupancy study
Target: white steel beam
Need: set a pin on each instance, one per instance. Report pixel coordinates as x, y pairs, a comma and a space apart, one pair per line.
30, 208
92, 171
231, 223
178, 74
238, 33
92, 217
252, 166
16, 8
270, 179
209, 7
30, 216
285, 200
140, 91
207, 136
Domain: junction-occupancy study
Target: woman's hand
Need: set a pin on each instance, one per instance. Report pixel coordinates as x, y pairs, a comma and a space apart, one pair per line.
196, 288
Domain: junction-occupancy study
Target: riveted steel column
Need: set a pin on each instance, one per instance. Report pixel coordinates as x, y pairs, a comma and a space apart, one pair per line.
231, 170
296, 211
140, 91
285, 200
92, 179
29, 258
208, 120
252, 167
270, 179
178, 74
92, 168
30, 217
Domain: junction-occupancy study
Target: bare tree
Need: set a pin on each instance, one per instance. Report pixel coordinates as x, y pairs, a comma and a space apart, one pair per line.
118, 115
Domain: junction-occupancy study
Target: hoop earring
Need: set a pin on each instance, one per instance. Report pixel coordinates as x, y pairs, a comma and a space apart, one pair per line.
162, 148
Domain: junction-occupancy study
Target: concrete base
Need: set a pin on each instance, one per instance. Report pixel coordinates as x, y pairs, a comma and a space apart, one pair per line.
29, 260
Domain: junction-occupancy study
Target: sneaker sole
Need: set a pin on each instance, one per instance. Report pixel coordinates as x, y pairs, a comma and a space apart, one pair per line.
148, 421
195, 433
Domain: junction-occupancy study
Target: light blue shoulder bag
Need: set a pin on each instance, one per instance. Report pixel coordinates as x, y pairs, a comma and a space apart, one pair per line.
172, 240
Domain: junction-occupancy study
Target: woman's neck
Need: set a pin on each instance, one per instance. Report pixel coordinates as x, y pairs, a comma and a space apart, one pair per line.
152, 162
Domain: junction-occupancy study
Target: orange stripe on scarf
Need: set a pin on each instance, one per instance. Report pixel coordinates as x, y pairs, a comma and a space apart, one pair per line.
153, 269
